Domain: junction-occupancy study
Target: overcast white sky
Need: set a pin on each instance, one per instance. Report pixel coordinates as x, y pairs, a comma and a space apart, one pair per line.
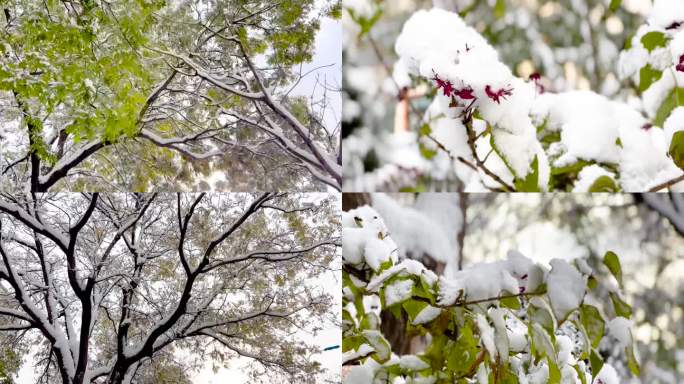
328, 51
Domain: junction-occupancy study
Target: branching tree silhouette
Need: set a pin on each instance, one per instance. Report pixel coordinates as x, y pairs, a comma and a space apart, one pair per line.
105, 285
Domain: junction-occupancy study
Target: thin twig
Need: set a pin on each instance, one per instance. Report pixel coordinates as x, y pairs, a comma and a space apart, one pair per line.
667, 184
471, 143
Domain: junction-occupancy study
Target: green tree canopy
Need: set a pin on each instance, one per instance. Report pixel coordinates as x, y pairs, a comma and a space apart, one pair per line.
152, 94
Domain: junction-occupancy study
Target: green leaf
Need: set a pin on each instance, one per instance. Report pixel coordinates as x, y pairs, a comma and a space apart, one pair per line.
543, 317
396, 310
673, 100
621, 308
420, 291
614, 5
510, 302
531, 181
653, 40
632, 361
541, 344
352, 342
611, 260
593, 323
365, 23
499, 9
424, 130
413, 307
426, 152
462, 353
382, 347
604, 184
676, 150
647, 76
592, 283
596, 362
435, 352
580, 374
586, 343
554, 372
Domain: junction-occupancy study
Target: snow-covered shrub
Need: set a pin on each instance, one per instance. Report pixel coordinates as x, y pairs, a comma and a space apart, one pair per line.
510, 321
499, 131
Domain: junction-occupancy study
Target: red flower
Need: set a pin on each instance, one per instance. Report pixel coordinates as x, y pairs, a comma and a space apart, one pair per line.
445, 86
535, 77
465, 93
680, 67
501, 93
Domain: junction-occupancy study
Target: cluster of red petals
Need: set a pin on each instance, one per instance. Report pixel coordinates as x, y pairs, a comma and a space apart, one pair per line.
680, 66
444, 85
497, 95
448, 89
465, 93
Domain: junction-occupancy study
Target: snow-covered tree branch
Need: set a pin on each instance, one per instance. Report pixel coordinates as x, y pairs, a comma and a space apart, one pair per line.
107, 285
137, 94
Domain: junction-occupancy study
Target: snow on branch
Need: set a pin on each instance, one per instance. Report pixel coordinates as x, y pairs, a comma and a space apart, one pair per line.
164, 287
511, 320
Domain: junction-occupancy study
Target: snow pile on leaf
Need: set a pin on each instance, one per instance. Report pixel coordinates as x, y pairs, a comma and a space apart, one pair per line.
506, 321
429, 227
438, 46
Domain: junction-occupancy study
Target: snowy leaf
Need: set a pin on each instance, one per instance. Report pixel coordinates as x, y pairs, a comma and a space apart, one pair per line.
540, 343
674, 99
593, 323
413, 308
412, 363
531, 181
612, 261
566, 288
676, 150
398, 291
379, 343
428, 314
604, 184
